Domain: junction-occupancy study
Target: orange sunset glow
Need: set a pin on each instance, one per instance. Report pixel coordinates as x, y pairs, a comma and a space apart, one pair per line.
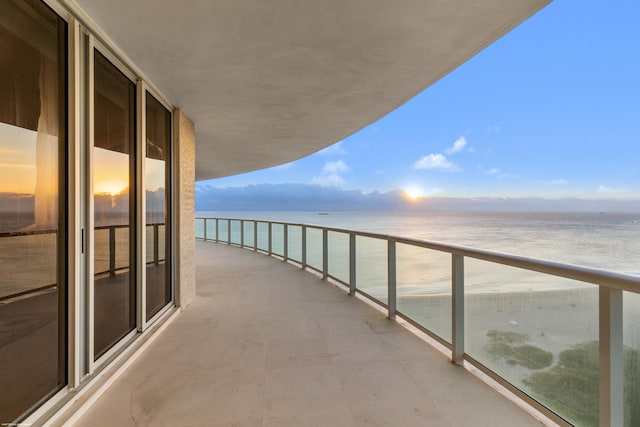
111, 172
17, 159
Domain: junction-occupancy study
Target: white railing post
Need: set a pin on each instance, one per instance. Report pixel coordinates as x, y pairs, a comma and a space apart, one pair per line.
285, 239
269, 237
325, 254
304, 247
217, 230
112, 250
205, 228
242, 233
457, 308
255, 235
611, 358
156, 247
228, 232
391, 278
352, 264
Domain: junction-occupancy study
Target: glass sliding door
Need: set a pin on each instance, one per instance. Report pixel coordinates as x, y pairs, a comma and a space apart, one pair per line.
32, 206
157, 145
114, 205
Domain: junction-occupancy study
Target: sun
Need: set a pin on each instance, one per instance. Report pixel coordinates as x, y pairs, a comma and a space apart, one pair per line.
413, 193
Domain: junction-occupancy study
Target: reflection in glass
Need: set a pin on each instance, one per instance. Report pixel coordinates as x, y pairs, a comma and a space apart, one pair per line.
32, 147
113, 160
158, 287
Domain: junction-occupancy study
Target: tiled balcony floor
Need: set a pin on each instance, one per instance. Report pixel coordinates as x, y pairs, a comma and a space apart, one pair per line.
266, 344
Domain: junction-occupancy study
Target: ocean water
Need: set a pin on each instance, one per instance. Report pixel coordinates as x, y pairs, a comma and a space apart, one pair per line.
609, 241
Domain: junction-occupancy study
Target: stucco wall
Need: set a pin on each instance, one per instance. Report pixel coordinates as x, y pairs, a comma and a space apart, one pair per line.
184, 171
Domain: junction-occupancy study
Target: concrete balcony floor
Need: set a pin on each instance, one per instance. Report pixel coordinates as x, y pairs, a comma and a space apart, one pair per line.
266, 344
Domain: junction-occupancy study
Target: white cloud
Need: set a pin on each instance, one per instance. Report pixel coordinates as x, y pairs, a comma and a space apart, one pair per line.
328, 180
610, 190
457, 146
333, 150
496, 172
335, 167
435, 161
331, 174
493, 129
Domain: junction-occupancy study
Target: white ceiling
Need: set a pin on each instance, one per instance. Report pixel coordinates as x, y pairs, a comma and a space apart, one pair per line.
269, 81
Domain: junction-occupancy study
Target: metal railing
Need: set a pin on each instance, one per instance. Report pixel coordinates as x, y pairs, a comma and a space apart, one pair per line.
110, 251
298, 243
114, 267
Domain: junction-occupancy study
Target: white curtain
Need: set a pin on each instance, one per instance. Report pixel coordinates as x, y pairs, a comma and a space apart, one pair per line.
46, 191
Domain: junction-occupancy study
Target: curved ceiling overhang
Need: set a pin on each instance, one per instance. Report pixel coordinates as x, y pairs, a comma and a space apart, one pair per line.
268, 82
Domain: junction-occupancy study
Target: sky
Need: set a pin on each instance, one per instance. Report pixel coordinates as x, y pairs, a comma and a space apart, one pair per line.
552, 110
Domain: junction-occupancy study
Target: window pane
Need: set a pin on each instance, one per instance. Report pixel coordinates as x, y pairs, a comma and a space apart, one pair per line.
235, 233
114, 300
32, 146
338, 255
277, 239
371, 267
294, 235
249, 238
537, 331
424, 288
156, 174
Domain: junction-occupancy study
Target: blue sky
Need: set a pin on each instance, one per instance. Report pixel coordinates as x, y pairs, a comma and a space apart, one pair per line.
551, 110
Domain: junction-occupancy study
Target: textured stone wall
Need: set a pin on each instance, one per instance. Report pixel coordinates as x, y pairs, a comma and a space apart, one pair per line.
184, 172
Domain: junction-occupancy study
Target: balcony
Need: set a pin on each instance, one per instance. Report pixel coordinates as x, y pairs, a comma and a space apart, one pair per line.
265, 343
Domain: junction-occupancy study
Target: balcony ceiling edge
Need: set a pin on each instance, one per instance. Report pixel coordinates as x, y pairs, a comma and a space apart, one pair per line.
270, 82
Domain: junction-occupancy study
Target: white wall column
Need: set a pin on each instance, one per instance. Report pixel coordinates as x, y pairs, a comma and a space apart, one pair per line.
184, 199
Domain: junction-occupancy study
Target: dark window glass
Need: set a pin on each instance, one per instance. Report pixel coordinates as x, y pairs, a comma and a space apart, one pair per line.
32, 219
114, 205
156, 184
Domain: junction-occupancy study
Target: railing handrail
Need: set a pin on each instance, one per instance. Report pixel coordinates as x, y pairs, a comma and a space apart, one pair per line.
112, 261
27, 292
104, 227
54, 230
601, 277
26, 233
